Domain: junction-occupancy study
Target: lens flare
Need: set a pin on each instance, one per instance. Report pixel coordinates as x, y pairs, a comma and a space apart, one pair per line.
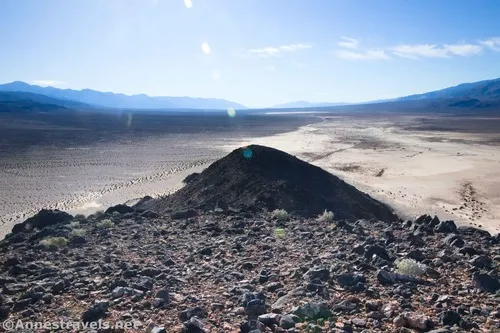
231, 112
247, 153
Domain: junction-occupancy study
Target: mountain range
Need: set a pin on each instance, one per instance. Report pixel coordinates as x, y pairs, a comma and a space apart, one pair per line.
482, 94
95, 98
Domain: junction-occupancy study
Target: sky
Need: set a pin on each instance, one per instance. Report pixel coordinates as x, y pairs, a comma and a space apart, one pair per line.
255, 52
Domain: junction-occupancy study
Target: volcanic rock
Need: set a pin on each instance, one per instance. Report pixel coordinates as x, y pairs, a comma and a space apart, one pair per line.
43, 219
259, 178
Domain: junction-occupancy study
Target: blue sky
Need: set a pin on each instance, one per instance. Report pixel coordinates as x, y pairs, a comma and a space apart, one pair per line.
255, 52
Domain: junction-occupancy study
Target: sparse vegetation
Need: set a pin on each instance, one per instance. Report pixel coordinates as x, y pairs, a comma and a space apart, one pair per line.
332, 226
279, 233
78, 232
80, 217
280, 215
105, 224
409, 267
98, 214
74, 224
327, 216
54, 241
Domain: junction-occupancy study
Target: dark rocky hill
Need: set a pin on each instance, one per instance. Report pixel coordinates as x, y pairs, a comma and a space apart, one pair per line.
260, 178
248, 270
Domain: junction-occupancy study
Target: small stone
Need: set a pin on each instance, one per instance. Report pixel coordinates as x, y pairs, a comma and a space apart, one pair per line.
58, 286
95, 312
288, 321
359, 322
482, 261
198, 312
193, 325
449, 318
485, 282
118, 292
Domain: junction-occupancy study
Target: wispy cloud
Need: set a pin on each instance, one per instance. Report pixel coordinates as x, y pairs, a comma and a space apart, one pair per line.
416, 51
492, 43
349, 43
362, 55
188, 3
46, 83
276, 51
270, 68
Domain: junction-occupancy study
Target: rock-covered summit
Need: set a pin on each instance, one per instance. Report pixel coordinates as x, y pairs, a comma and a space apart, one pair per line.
177, 264
261, 178
240, 272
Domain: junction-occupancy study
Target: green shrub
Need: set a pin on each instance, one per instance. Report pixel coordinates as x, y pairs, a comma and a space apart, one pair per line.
78, 232
74, 224
54, 241
279, 233
327, 216
280, 214
80, 217
105, 224
409, 267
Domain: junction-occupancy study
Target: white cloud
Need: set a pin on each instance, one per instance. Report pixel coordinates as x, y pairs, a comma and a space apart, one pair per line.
294, 47
416, 51
266, 52
362, 55
349, 43
46, 83
463, 50
205, 48
216, 75
188, 3
419, 50
276, 51
492, 43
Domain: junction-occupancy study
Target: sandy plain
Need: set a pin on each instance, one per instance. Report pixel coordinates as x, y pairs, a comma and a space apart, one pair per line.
417, 163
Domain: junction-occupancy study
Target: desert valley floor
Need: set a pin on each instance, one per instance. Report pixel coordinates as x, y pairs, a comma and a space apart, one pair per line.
417, 163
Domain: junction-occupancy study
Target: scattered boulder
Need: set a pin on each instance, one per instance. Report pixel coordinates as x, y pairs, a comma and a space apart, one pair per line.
446, 227
95, 312
485, 282
312, 311
413, 320
193, 325
44, 218
449, 318
121, 209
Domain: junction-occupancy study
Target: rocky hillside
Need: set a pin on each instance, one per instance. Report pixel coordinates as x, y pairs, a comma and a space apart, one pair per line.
258, 178
211, 258
237, 271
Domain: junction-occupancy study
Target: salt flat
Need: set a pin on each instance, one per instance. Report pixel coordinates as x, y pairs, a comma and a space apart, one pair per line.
418, 164
444, 165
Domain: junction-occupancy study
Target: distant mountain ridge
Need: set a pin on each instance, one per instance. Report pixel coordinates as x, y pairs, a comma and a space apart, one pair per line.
476, 95
305, 104
112, 100
481, 90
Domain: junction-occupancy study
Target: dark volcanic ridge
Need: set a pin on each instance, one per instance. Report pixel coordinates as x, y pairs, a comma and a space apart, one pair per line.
258, 178
209, 267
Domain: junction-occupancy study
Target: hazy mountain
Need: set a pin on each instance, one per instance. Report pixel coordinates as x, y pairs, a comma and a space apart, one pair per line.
20, 96
112, 100
305, 104
482, 90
